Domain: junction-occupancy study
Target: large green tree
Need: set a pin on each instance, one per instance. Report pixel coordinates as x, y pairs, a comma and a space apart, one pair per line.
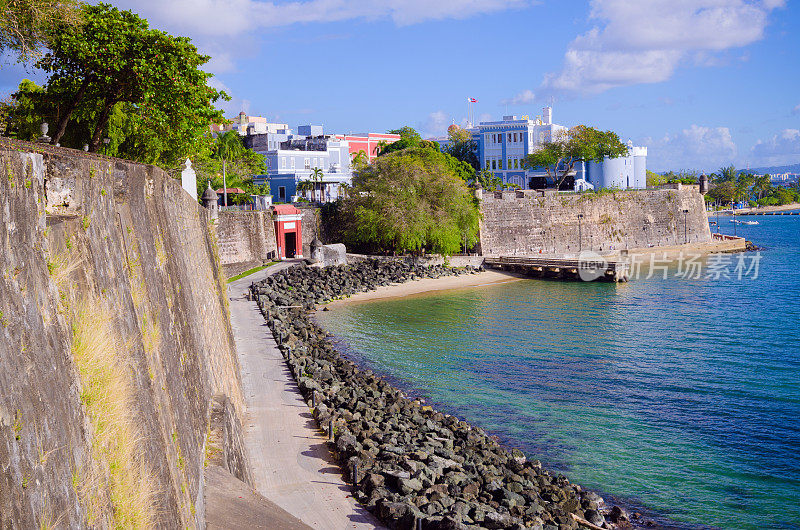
581, 143
112, 76
410, 201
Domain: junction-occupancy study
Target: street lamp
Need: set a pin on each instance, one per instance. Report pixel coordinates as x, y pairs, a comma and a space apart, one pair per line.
580, 234
685, 214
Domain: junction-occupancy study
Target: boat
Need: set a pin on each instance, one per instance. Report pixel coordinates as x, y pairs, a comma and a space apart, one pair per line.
749, 222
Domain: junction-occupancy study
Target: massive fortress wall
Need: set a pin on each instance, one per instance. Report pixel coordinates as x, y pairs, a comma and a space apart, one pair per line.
527, 222
114, 343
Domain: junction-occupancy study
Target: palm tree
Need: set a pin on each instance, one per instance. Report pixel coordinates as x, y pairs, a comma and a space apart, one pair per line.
316, 176
761, 185
727, 173
229, 147
380, 147
360, 160
304, 187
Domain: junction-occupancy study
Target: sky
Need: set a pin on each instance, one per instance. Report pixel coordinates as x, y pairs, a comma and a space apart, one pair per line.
701, 83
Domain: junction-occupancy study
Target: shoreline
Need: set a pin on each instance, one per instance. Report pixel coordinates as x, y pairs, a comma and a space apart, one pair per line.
427, 285
764, 209
408, 462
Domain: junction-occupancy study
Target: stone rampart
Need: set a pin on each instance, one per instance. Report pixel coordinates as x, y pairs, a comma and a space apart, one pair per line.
114, 337
247, 238
531, 222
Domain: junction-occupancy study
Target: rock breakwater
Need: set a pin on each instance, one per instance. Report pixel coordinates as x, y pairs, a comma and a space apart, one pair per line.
411, 465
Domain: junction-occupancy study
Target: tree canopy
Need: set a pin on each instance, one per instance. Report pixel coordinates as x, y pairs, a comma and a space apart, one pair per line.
409, 201
462, 147
26, 26
112, 76
581, 143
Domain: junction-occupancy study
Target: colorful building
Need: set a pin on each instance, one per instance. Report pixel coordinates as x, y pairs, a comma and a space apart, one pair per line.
501, 147
368, 142
298, 157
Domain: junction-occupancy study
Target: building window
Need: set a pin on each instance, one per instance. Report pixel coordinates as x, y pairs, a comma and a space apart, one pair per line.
494, 164
515, 137
307, 163
282, 193
509, 137
292, 163
509, 164
487, 163
516, 161
283, 162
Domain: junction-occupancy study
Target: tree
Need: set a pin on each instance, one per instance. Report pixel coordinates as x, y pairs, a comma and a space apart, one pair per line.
26, 26
227, 164
407, 133
360, 160
581, 143
113, 75
410, 201
725, 174
316, 177
304, 186
462, 146
723, 192
761, 185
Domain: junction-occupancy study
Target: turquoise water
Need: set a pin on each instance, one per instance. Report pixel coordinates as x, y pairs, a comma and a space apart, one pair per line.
679, 397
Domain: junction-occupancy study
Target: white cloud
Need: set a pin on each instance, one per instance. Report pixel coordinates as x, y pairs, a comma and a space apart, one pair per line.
523, 98
645, 41
233, 17
796, 109
782, 148
436, 124
697, 147
235, 105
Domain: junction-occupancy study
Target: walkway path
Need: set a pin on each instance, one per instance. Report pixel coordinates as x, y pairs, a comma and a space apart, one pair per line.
291, 464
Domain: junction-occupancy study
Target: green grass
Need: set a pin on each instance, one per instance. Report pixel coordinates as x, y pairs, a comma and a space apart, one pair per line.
251, 271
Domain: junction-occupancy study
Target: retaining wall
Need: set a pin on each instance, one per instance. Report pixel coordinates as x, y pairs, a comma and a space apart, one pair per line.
531, 222
124, 246
247, 238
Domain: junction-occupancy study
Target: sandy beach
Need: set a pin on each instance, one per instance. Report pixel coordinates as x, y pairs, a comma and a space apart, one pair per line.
400, 290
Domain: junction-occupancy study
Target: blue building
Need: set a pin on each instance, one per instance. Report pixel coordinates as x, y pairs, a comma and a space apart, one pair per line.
503, 145
292, 159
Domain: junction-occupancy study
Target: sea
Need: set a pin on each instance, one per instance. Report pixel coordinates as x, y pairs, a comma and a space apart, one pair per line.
676, 394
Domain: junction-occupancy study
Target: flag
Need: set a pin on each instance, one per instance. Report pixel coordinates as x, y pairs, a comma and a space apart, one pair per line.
472, 100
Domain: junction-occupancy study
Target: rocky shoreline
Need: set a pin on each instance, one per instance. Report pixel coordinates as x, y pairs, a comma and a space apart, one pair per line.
412, 466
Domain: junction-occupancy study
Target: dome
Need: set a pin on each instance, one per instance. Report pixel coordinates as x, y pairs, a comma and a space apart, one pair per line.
209, 194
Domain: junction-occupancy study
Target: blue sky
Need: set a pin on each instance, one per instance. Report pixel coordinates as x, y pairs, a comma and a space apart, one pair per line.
700, 82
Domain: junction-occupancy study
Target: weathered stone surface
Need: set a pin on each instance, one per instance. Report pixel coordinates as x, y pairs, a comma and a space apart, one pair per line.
517, 222
128, 240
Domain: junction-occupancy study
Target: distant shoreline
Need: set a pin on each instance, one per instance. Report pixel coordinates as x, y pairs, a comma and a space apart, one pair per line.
764, 209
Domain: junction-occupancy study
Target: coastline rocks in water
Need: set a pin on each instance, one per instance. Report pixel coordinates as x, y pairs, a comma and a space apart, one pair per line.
409, 464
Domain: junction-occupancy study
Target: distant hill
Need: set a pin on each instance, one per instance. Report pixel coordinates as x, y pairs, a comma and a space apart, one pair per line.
794, 168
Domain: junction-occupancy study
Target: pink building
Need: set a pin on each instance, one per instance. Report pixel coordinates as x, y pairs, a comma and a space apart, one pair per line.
368, 142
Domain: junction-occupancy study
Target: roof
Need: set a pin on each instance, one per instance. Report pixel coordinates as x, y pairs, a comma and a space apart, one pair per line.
285, 209
230, 191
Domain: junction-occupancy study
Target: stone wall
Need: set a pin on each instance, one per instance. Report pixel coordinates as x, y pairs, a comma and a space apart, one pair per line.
111, 257
530, 222
247, 238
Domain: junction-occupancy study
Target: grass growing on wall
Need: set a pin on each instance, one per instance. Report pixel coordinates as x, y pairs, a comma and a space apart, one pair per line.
107, 394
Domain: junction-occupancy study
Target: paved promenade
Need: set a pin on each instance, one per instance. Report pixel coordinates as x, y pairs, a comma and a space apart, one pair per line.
291, 464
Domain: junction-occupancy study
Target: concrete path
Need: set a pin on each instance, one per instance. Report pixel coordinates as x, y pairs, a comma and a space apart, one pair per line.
291, 464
